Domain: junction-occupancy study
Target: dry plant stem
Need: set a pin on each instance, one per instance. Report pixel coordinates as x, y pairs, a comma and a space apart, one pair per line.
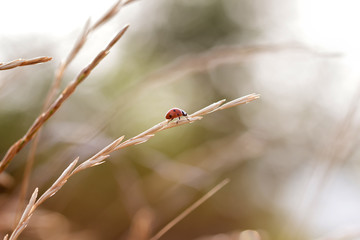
185, 65
191, 208
182, 66
110, 13
56, 84
103, 154
54, 89
33, 203
26, 177
79, 44
146, 135
63, 65
192, 63
23, 62
49, 98
24, 218
59, 183
39, 122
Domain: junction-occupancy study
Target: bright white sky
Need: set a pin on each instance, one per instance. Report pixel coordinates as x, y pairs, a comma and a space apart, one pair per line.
48, 22
55, 18
331, 24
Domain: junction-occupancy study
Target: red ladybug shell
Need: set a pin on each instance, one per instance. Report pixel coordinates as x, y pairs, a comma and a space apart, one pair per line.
174, 113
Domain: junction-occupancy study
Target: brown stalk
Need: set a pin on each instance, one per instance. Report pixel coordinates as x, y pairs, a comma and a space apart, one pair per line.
180, 67
54, 89
50, 97
192, 63
110, 13
23, 62
103, 154
190, 209
39, 122
55, 86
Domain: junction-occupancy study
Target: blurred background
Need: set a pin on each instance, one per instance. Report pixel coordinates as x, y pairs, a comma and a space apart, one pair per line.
291, 155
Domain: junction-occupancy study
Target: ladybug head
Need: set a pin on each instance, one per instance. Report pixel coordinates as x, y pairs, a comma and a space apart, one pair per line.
184, 113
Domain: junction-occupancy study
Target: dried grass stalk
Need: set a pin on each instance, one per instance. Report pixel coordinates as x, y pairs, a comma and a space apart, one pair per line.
238, 101
25, 217
146, 135
103, 154
39, 122
63, 65
191, 208
56, 84
208, 109
111, 13
33, 203
99, 158
23, 62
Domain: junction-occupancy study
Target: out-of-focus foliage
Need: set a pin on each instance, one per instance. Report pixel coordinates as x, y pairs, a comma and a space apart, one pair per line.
275, 150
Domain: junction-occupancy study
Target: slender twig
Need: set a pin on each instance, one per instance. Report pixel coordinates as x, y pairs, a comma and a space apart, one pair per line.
110, 13
170, 72
103, 154
16, 147
25, 217
26, 177
188, 210
55, 87
39, 122
188, 64
49, 98
23, 62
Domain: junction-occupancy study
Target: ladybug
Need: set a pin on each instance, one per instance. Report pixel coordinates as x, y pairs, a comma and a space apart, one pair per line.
176, 112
